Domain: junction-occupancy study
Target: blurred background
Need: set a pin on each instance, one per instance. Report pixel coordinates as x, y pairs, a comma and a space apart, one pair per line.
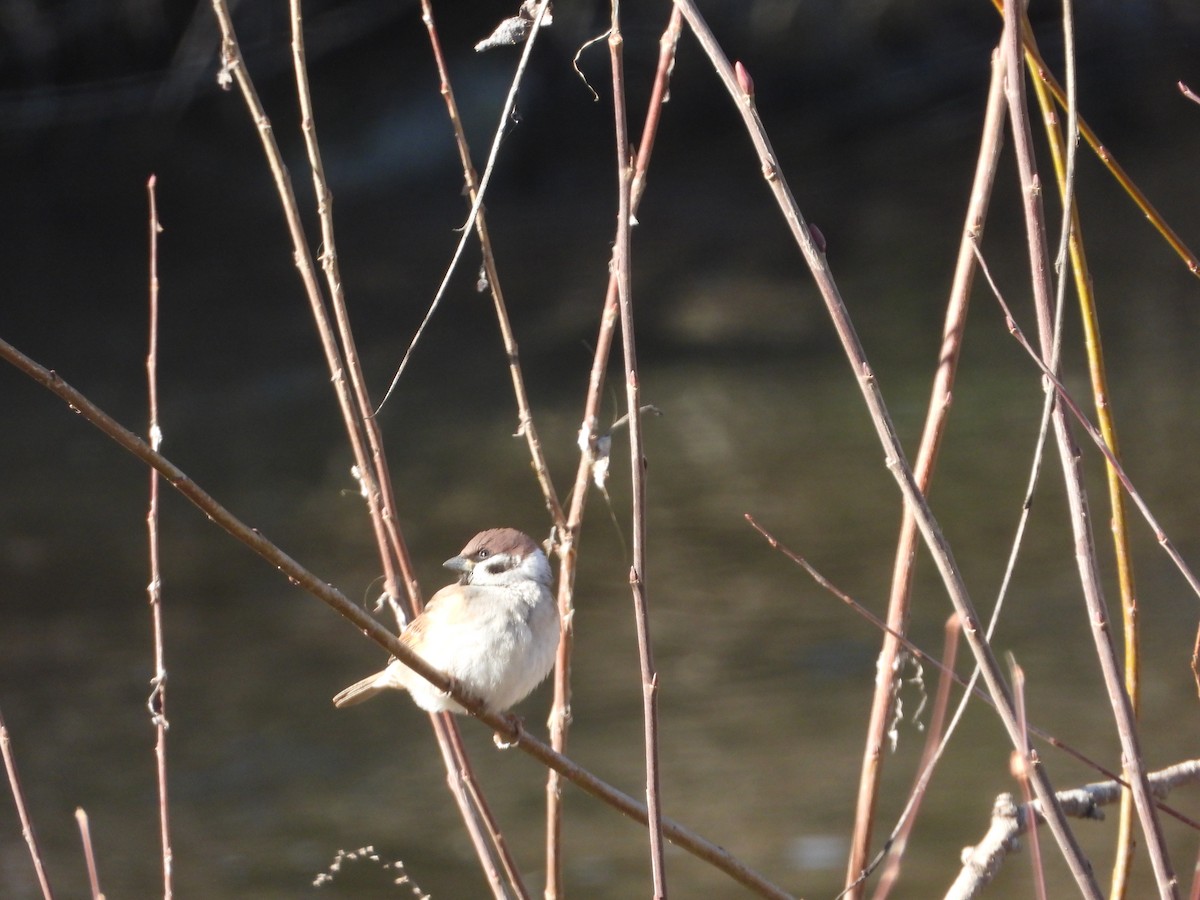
875, 111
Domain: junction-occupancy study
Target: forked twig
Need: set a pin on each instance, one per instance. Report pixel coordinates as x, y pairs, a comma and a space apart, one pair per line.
894, 454
1096, 437
27, 832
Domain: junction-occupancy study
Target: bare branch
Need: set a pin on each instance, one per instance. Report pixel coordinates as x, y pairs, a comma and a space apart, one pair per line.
982, 862
27, 832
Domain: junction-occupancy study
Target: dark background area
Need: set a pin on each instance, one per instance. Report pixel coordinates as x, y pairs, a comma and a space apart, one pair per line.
874, 110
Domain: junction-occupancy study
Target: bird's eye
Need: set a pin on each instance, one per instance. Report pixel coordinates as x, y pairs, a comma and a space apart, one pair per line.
482, 554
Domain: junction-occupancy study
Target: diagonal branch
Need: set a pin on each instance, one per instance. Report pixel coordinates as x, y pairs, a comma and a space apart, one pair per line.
931, 439
930, 529
1071, 463
361, 429
526, 427
507, 726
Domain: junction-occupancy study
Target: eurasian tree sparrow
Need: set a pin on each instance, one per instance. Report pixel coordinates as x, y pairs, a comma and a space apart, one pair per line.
495, 631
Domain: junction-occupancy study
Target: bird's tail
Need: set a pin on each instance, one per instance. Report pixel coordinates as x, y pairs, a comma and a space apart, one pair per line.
364, 690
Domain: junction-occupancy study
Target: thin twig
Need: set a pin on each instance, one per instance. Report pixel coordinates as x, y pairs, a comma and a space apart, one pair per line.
1063, 152
970, 686
933, 739
1097, 438
1072, 240
894, 454
27, 832
1040, 70
158, 694
370, 466
89, 855
622, 265
568, 538
233, 68
931, 439
363, 431
1021, 764
477, 202
525, 417
507, 726
930, 759
1071, 464
361, 428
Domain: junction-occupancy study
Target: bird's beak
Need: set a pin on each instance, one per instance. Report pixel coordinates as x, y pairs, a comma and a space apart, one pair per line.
462, 565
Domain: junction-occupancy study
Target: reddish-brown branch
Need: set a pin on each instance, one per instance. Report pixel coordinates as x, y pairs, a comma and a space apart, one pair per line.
568, 538
931, 438
622, 262
27, 832
505, 725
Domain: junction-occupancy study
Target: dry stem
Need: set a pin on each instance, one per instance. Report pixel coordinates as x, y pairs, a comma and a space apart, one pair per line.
27, 832
896, 463
476, 206
1021, 764
1069, 455
1038, 67
526, 428
505, 725
1063, 152
158, 694
568, 544
360, 429
931, 438
621, 264
89, 855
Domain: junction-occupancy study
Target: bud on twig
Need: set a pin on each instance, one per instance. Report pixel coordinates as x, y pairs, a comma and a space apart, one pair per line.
818, 238
745, 82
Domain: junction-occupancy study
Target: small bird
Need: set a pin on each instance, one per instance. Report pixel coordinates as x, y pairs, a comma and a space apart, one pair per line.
495, 631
